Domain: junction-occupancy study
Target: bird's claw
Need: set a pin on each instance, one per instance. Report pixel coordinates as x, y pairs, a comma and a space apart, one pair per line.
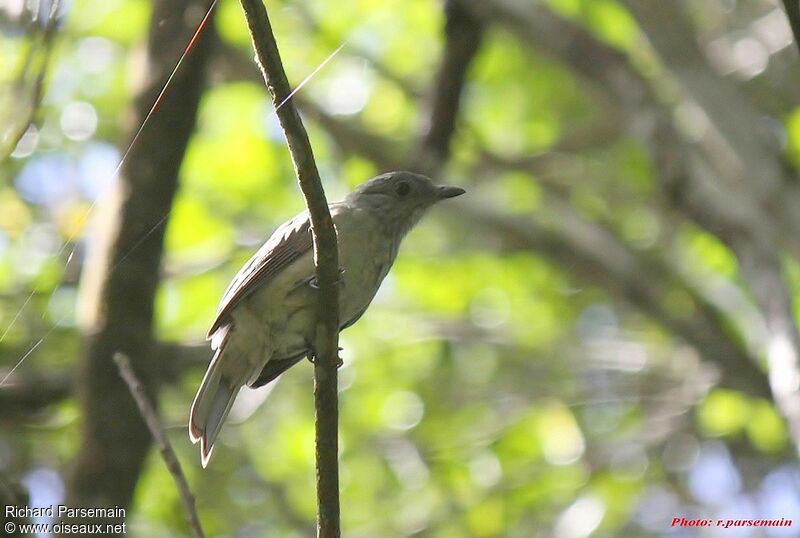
314, 283
312, 358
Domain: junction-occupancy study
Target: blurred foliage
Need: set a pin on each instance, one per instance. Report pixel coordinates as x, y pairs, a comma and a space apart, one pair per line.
488, 391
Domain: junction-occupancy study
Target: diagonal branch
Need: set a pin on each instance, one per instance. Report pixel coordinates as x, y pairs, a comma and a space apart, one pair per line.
463, 37
150, 417
793, 14
742, 166
326, 262
568, 235
741, 148
37, 86
597, 257
724, 199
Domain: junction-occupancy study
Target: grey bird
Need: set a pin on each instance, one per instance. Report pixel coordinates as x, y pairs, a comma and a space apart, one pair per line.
265, 322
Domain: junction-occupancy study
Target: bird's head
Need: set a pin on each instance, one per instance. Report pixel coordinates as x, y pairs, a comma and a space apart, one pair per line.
401, 197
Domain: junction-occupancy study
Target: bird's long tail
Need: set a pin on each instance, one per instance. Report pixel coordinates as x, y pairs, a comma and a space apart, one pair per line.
211, 405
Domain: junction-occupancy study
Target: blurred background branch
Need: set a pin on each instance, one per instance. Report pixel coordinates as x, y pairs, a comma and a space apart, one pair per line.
122, 272
20, 103
793, 13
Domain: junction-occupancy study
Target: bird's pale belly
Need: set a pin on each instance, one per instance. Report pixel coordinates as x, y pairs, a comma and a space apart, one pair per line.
288, 320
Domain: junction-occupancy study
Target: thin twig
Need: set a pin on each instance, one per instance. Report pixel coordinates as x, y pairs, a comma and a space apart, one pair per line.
326, 260
160, 437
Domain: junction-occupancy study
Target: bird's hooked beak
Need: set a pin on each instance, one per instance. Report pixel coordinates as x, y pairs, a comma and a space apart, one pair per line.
446, 191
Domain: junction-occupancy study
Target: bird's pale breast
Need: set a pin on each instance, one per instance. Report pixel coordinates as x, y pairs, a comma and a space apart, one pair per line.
286, 306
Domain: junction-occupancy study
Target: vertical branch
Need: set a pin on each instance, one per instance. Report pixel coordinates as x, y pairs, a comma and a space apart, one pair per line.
326, 262
150, 417
761, 269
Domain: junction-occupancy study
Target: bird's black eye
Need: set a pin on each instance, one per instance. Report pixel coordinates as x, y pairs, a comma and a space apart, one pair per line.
402, 188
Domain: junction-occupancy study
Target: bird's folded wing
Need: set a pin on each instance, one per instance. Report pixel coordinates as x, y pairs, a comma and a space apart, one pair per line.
287, 244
